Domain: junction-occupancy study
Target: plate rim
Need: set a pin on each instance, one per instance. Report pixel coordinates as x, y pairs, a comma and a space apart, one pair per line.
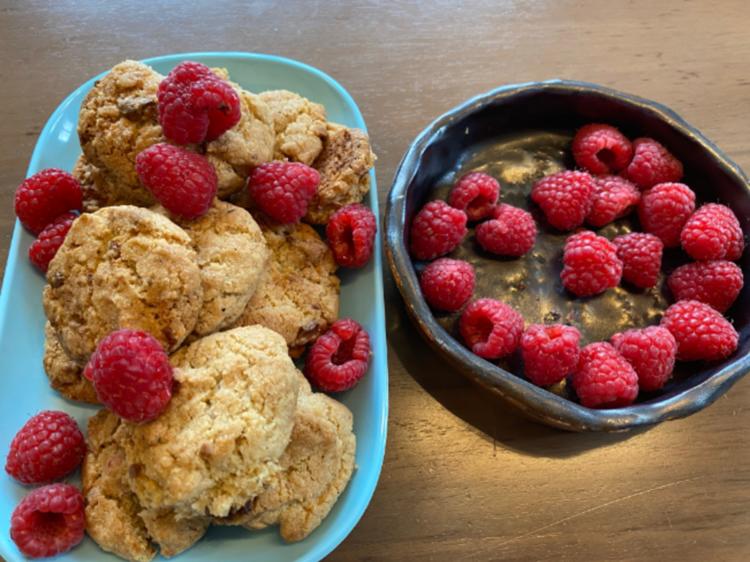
334, 538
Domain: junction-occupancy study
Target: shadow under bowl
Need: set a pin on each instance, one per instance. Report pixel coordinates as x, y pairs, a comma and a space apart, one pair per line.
518, 134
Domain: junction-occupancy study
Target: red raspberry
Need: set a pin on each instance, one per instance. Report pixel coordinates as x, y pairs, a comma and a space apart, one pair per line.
717, 283
184, 182
44, 248
131, 375
652, 164
447, 284
651, 351
195, 105
47, 448
510, 232
565, 198
282, 190
664, 209
351, 235
713, 233
550, 353
45, 196
437, 229
590, 264
338, 359
48, 521
604, 378
475, 194
614, 197
601, 149
640, 254
701, 332
490, 328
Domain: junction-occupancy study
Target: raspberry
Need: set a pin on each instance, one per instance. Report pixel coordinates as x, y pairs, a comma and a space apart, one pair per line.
44, 248
475, 194
48, 521
447, 284
131, 375
565, 198
651, 351
640, 254
713, 233
510, 232
45, 196
47, 448
601, 149
490, 328
351, 235
652, 164
437, 229
717, 283
604, 378
195, 105
700, 331
282, 190
664, 209
184, 182
613, 198
550, 353
590, 264
338, 359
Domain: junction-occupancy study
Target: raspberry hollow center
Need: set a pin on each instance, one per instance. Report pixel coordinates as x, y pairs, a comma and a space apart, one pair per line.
606, 156
344, 353
48, 524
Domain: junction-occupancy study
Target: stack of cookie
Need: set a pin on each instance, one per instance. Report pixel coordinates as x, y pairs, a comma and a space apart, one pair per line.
232, 296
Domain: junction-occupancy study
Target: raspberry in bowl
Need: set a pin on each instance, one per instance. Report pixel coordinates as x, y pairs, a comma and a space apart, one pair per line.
578, 156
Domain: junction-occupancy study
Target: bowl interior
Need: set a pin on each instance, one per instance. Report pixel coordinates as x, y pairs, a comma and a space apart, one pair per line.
522, 135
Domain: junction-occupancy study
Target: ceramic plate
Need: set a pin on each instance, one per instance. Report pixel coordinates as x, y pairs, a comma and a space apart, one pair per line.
25, 390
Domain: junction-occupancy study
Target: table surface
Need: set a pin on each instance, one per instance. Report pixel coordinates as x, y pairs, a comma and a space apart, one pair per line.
463, 477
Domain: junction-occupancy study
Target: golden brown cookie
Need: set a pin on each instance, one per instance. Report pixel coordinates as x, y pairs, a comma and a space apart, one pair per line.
64, 374
248, 144
299, 123
224, 430
344, 166
115, 520
118, 119
299, 295
232, 255
122, 267
316, 467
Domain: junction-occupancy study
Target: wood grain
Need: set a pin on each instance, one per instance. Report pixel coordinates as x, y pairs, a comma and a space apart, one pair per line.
464, 478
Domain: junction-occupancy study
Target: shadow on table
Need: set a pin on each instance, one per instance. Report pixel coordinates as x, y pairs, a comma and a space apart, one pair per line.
496, 420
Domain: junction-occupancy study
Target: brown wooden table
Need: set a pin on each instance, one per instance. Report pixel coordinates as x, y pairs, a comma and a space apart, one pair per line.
464, 478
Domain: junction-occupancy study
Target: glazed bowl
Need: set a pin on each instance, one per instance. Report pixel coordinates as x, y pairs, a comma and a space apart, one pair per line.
520, 133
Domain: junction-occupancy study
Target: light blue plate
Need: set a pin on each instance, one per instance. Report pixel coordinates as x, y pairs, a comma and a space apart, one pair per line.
24, 386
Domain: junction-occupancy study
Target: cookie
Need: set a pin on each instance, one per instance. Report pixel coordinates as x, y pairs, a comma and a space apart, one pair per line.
228, 423
316, 467
118, 119
299, 295
115, 520
344, 166
64, 374
232, 255
248, 144
300, 125
122, 267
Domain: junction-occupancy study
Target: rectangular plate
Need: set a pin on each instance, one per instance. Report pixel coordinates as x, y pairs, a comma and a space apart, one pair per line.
25, 390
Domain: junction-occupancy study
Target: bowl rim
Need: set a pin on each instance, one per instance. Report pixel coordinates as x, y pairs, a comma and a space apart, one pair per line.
535, 401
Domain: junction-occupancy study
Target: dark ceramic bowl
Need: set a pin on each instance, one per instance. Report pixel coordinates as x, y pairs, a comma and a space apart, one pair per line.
520, 133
